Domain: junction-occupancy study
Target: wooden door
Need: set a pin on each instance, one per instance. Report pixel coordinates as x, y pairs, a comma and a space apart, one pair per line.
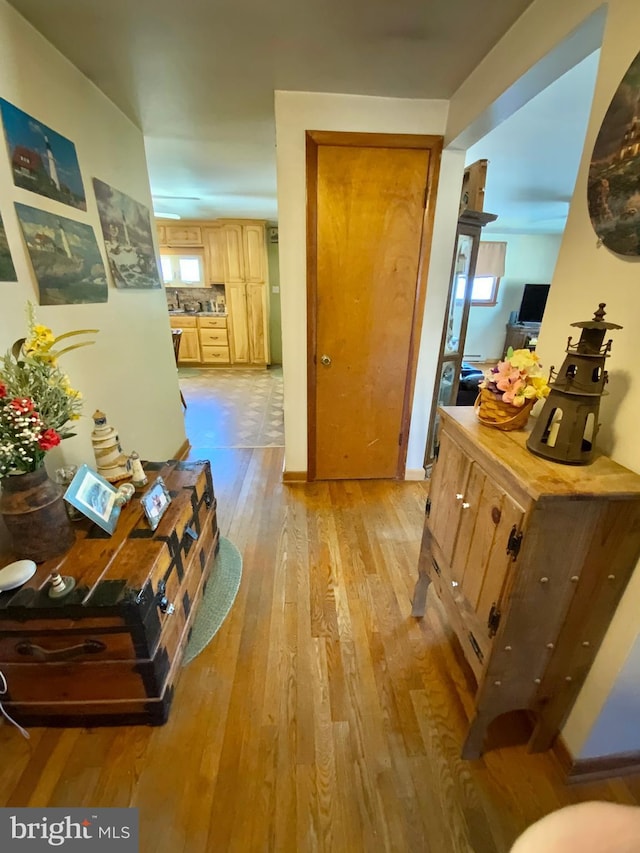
238, 330
366, 224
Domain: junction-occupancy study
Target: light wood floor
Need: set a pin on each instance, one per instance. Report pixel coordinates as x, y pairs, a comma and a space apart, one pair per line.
322, 716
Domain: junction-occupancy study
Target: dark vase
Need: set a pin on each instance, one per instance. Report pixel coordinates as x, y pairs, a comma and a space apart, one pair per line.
32, 508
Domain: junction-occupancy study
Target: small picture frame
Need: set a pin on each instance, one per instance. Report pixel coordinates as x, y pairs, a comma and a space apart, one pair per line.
155, 502
95, 497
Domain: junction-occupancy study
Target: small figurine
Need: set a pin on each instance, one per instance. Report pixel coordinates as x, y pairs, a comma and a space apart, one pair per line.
112, 464
139, 478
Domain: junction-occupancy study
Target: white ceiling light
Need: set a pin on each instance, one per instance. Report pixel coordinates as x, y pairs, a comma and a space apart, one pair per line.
159, 215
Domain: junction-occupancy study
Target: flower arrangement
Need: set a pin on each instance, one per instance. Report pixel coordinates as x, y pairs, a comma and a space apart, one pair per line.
518, 379
37, 402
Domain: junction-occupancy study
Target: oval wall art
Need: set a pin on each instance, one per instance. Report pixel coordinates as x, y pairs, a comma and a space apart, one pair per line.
614, 174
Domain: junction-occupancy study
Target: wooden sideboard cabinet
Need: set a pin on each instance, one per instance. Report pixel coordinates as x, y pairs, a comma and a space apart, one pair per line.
519, 335
529, 559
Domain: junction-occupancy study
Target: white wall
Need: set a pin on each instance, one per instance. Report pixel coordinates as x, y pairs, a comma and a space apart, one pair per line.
130, 372
586, 275
529, 258
297, 112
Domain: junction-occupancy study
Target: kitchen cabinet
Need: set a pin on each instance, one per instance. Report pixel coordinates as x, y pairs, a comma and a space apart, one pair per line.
182, 235
234, 253
214, 340
190, 341
214, 253
246, 280
529, 559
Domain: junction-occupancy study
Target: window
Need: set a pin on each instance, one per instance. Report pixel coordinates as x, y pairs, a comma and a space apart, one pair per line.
485, 289
489, 269
181, 268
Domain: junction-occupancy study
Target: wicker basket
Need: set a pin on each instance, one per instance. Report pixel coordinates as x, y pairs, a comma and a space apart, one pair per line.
492, 411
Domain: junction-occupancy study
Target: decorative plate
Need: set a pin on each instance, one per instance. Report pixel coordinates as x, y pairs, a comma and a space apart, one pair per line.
15, 574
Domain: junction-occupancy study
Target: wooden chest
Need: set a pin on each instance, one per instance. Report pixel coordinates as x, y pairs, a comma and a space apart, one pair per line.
109, 652
529, 558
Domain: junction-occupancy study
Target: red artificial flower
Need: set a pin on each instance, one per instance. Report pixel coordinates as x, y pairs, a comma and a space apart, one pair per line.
48, 439
3, 390
23, 405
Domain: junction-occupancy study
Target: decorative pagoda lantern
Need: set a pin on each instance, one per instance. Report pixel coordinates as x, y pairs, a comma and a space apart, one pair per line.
567, 426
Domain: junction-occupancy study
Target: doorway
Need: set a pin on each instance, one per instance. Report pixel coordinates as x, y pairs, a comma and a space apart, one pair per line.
370, 211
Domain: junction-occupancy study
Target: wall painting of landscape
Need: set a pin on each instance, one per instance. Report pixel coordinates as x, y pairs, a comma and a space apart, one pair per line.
65, 257
614, 174
42, 160
126, 228
7, 269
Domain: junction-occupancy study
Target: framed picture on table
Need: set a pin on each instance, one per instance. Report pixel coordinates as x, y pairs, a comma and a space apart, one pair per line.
95, 497
155, 502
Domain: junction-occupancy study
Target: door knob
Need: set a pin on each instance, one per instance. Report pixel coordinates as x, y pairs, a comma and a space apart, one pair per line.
326, 360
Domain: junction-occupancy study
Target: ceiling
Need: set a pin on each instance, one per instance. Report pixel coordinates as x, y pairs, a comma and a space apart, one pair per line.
535, 154
198, 77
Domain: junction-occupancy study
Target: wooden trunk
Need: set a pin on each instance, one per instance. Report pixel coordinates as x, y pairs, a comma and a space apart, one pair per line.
109, 652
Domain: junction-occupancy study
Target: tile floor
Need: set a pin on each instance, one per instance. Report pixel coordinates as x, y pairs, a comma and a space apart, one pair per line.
233, 407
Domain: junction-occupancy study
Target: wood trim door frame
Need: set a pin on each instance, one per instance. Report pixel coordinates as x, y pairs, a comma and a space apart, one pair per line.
314, 139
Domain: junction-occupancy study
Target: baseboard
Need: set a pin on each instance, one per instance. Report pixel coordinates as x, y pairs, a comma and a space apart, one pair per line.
414, 474
595, 769
294, 477
183, 452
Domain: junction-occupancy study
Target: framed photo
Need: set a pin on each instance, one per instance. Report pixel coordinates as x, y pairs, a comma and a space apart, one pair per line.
95, 497
155, 502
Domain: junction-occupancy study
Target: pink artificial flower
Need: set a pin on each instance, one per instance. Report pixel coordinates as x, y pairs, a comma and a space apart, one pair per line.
515, 394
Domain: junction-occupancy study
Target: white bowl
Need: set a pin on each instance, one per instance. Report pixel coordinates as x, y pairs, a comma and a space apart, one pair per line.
15, 574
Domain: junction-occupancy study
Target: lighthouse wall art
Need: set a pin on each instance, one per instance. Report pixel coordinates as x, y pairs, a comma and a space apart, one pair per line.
126, 228
65, 257
41, 159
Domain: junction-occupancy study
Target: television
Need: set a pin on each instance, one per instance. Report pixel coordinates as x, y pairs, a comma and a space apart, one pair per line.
534, 299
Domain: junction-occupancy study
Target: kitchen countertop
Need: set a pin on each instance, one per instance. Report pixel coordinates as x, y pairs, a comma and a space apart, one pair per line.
196, 314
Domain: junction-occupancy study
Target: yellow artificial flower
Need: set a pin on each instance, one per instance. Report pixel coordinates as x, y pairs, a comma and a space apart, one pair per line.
523, 359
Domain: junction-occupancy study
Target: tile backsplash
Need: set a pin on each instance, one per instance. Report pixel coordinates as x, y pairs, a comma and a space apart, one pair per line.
206, 298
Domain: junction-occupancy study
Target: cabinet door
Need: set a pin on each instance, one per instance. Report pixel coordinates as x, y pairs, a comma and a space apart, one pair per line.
257, 323
448, 487
214, 246
183, 235
254, 254
234, 254
237, 323
480, 564
189, 346
162, 237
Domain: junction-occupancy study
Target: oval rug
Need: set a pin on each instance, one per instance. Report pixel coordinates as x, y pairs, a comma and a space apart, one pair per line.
218, 598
